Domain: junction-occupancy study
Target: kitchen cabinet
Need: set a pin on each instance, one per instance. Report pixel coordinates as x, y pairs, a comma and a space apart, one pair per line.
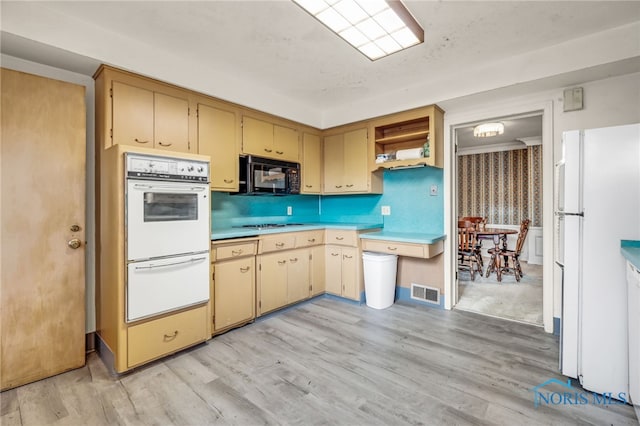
346, 163
283, 278
234, 284
409, 130
342, 271
139, 111
317, 267
311, 164
265, 139
424, 251
219, 138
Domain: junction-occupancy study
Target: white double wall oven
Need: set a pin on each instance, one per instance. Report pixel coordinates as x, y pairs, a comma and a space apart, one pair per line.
167, 203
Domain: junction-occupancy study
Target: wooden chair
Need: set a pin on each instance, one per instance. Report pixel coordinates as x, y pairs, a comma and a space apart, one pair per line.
467, 254
478, 223
503, 254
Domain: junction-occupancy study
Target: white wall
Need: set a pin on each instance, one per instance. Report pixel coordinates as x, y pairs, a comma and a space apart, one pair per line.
607, 102
90, 252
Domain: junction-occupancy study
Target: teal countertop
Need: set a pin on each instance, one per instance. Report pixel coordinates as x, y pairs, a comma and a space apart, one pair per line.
406, 237
235, 232
631, 251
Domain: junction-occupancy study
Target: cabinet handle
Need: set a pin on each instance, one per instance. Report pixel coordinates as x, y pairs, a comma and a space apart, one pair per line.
392, 248
139, 141
346, 256
279, 152
168, 337
335, 254
228, 180
349, 185
279, 245
243, 270
309, 186
281, 262
164, 144
267, 150
294, 260
311, 240
339, 238
236, 252
338, 186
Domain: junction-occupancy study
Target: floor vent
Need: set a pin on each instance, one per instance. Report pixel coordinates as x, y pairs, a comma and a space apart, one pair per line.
425, 294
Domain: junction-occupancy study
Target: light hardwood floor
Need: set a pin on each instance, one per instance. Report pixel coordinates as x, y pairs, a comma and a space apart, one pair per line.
327, 362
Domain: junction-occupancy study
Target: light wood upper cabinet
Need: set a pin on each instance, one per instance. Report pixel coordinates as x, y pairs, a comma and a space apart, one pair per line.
346, 164
265, 139
311, 164
171, 123
218, 137
132, 115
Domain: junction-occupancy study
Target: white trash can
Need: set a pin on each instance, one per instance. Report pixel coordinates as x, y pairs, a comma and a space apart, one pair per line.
379, 278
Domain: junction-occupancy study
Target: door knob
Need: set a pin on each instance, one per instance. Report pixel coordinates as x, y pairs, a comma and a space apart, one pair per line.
74, 243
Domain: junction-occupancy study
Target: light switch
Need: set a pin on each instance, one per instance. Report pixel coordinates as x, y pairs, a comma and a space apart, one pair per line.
386, 210
573, 99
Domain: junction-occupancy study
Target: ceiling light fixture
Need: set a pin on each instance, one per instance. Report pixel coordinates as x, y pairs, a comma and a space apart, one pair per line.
376, 28
486, 130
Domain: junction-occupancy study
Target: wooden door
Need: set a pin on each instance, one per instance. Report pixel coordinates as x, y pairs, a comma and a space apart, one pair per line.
356, 169
43, 196
217, 137
350, 273
286, 143
273, 281
171, 123
333, 270
311, 163
257, 137
298, 275
234, 291
132, 115
333, 164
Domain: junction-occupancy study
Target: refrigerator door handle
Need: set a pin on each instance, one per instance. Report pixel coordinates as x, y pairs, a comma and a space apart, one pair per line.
581, 214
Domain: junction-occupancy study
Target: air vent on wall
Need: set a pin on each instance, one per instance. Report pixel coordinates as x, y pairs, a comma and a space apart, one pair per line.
425, 294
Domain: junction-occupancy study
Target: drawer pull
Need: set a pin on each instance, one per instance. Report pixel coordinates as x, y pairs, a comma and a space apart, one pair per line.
339, 238
346, 256
294, 260
338, 186
308, 186
243, 270
236, 252
279, 152
349, 185
169, 337
335, 254
281, 262
392, 248
311, 240
279, 244
164, 144
140, 141
267, 150
228, 181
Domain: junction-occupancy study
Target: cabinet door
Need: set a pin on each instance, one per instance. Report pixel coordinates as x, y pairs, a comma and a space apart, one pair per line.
286, 143
317, 270
217, 137
311, 163
333, 164
171, 118
257, 137
350, 281
333, 270
298, 275
234, 292
356, 170
273, 281
132, 115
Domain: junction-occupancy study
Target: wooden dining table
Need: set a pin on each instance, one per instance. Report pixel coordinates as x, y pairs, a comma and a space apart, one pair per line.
499, 237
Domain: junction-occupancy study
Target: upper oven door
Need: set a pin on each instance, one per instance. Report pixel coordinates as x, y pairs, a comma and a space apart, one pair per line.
166, 218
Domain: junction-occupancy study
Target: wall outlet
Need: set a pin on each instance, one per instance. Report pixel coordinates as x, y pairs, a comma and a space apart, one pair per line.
434, 190
289, 210
386, 210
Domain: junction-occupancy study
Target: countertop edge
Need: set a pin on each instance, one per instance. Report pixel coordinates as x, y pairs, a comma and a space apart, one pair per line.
404, 237
229, 233
630, 249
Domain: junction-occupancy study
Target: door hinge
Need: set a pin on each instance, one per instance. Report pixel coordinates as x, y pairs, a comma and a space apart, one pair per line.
310, 256
111, 92
310, 288
259, 266
259, 303
111, 133
188, 110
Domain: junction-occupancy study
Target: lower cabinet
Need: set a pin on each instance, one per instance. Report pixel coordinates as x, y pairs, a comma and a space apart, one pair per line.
317, 270
156, 338
342, 271
283, 278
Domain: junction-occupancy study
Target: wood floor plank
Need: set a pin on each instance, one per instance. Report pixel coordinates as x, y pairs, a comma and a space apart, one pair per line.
327, 362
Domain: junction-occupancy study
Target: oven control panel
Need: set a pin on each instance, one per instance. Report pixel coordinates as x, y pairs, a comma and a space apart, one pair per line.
165, 168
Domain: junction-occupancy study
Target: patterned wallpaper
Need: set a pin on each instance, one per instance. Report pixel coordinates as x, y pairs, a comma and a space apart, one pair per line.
505, 187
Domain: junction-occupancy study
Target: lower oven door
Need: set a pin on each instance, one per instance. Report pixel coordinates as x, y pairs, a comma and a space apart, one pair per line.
163, 285
167, 218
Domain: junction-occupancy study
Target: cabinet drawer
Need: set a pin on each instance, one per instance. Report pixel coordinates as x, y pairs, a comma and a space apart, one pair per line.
163, 336
235, 250
277, 242
403, 249
310, 238
341, 237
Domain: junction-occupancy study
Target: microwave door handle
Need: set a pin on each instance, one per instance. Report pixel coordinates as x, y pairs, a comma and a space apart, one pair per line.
195, 259
170, 187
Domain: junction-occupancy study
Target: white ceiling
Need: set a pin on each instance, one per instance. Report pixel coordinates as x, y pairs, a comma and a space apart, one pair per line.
271, 55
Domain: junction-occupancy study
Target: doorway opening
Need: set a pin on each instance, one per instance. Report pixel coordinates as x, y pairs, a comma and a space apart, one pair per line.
499, 179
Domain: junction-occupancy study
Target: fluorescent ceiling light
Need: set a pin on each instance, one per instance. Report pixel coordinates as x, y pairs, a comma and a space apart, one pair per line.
487, 130
376, 28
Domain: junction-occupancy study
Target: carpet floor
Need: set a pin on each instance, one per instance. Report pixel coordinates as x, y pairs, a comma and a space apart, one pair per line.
509, 299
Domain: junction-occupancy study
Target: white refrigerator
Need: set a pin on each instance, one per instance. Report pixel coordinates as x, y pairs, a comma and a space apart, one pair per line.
598, 204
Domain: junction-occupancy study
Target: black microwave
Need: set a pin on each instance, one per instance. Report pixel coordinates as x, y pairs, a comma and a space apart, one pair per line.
267, 176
